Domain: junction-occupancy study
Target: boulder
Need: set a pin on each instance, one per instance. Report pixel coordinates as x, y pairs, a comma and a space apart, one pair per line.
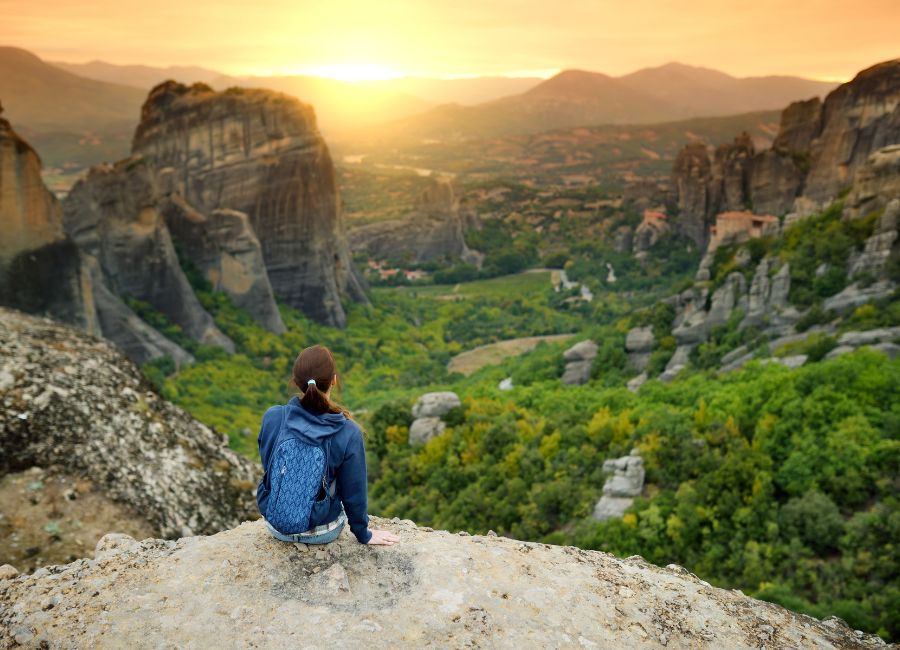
731, 295
258, 152
619, 490
840, 351
506, 384
634, 384
792, 362
579, 362
424, 429
640, 339
87, 410
868, 337
244, 588
890, 349
435, 405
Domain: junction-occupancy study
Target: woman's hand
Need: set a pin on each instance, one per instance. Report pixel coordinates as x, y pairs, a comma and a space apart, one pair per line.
383, 538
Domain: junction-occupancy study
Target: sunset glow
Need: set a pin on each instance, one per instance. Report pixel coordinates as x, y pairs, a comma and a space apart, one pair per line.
363, 40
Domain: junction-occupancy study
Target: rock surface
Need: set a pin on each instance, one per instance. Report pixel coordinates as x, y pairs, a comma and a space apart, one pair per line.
424, 429
579, 361
435, 229
223, 246
75, 402
258, 152
877, 183
41, 271
113, 215
243, 588
427, 413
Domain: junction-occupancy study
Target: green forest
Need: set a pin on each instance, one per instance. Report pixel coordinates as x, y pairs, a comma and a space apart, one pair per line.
782, 483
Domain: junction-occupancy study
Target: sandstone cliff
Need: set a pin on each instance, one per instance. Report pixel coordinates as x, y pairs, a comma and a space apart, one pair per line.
243, 588
434, 229
74, 402
260, 153
819, 149
40, 269
113, 214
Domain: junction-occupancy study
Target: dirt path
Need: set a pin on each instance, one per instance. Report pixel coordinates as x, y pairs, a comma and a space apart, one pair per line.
493, 353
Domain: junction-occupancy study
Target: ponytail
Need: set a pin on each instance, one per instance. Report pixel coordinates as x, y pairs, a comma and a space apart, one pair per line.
315, 401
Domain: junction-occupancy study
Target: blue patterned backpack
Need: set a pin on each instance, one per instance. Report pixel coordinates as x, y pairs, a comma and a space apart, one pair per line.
298, 475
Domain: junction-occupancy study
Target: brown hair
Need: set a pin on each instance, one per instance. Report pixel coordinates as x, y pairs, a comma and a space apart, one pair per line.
316, 363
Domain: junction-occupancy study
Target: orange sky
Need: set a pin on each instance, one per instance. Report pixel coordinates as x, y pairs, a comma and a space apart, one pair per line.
830, 39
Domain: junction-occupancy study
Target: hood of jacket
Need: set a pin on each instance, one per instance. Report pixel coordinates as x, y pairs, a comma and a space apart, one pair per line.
310, 425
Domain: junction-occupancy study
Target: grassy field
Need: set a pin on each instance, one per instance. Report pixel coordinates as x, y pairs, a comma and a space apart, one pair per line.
468, 362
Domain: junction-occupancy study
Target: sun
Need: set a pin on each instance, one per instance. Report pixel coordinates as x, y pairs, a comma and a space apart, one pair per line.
351, 71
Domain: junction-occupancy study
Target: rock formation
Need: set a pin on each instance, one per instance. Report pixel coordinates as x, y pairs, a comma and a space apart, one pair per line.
652, 227
818, 152
434, 230
620, 489
223, 246
244, 588
41, 270
879, 246
579, 362
877, 183
427, 413
260, 153
113, 215
639, 344
74, 402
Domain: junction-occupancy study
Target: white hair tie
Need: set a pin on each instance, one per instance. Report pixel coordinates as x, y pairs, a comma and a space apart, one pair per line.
311, 382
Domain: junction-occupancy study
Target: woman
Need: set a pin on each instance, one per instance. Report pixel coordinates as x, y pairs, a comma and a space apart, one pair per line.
314, 462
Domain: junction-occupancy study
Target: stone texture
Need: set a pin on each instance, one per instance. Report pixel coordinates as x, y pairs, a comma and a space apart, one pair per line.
41, 271
800, 123
433, 589
775, 181
876, 184
648, 232
878, 247
223, 246
435, 229
854, 295
794, 361
731, 170
258, 152
113, 215
639, 342
619, 490
868, 337
579, 362
731, 295
82, 406
691, 178
424, 429
634, 384
858, 118
435, 405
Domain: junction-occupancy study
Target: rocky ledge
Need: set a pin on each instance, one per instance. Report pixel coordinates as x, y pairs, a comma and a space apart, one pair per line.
245, 589
75, 403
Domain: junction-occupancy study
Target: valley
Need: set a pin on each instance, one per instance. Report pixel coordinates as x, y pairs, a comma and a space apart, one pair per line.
716, 296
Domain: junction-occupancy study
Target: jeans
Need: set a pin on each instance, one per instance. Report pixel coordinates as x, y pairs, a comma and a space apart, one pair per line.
306, 538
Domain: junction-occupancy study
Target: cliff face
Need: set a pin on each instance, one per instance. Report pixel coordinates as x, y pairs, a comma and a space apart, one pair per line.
113, 215
83, 408
243, 588
434, 229
260, 153
819, 149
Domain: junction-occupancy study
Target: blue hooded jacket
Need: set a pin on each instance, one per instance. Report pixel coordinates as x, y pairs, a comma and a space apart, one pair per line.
346, 460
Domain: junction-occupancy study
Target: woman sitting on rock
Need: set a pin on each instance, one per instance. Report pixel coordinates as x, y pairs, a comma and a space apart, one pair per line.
314, 462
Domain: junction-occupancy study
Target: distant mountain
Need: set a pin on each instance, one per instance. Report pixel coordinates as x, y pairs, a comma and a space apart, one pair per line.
581, 98
144, 77
466, 91
41, 97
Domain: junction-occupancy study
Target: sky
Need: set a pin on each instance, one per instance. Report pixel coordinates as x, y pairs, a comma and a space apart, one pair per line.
823, 39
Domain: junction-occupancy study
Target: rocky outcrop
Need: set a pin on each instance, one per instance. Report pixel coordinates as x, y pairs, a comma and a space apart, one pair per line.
41, 271
113, 215
878, 247
244, 588
620, 489
435, 229
223, 247
579, 360
260, 153
877, 183
427, 413
858, 118
74, 402
691, 180
649, 231
819, 150
768, 297
639, 344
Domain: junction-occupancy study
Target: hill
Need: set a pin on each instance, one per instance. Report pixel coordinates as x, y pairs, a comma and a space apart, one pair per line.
139, 76
582, 98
